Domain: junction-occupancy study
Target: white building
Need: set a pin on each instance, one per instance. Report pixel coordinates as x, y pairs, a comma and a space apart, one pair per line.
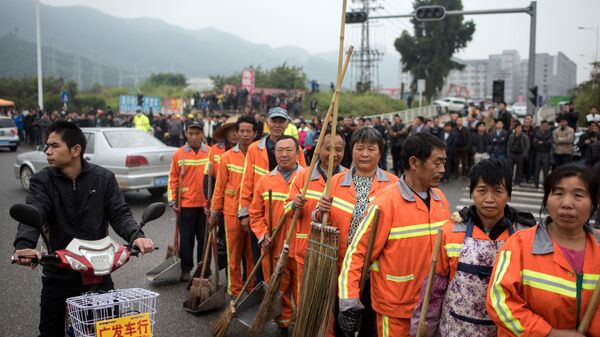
555, 76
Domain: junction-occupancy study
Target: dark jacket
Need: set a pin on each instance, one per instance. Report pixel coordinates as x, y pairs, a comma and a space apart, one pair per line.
81, 209
480, 143
506, 117
545, 139
518, 144
450, 141
462, 137
498, 142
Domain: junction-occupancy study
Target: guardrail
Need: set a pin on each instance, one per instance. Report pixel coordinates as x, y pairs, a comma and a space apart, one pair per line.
428, 111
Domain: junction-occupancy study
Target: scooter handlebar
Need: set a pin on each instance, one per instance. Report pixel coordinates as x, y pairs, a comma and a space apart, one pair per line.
44, 261
135, 251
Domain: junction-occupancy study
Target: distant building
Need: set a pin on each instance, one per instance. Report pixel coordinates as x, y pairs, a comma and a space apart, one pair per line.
555, 75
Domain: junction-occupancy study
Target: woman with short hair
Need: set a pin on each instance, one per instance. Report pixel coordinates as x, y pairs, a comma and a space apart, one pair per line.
544, 276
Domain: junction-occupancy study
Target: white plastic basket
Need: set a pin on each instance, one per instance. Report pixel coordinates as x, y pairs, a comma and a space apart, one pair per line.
85, 310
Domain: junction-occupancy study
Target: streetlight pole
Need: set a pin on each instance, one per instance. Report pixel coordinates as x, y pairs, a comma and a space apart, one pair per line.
595, 30
39, 56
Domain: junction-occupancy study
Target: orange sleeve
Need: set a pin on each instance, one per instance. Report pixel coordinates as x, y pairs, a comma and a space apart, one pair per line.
220, 184
506, 306
174, 173
349, 279
301, 159
258, 223
448, 247
246, 188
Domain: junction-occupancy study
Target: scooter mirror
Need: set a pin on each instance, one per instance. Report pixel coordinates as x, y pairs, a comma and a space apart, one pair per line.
153, 212
27, 215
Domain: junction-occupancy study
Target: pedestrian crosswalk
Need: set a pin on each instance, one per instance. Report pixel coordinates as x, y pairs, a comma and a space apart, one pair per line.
524, 198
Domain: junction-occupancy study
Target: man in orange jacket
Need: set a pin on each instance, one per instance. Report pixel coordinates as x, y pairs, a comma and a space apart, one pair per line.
187, 178
225, 201
260, 160
410, 213
470, 243
278, 181
226, 138
313, 193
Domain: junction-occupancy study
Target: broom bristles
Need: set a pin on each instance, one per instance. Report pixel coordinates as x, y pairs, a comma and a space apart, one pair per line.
204, 290
220, 326
265, 311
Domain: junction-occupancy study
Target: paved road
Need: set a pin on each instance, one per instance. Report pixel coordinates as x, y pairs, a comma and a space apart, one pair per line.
20, 287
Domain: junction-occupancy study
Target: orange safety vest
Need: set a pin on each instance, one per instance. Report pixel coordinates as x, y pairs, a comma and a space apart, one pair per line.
229, 178
344, 200
316, 186
214, 157
259, 208
190, 166
256, 166
533, 287
401, 250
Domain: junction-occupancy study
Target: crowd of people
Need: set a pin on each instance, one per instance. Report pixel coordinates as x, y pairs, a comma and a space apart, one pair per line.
498, 273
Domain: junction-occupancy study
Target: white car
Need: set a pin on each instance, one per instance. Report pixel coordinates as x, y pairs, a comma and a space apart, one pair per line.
519, 109
138, 160
454, 104
9, 137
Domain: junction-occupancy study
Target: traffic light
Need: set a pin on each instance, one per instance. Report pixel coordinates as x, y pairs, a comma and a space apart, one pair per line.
430, 13
498, 91
356, 17
533, 98
140, 100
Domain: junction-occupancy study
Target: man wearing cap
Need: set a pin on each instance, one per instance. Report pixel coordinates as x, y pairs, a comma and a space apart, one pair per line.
260, 160
187, 178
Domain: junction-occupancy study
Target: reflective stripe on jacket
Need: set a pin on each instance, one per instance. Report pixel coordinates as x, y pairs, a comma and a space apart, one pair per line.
534, 288
229, 178
192, 193
256, 165
401, 251
259, 208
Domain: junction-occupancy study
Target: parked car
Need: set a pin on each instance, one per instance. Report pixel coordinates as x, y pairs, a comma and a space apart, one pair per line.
138, 160
9, 136
519, 109
454, 104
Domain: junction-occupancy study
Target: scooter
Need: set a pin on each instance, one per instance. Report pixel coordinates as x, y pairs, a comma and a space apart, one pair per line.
92, 258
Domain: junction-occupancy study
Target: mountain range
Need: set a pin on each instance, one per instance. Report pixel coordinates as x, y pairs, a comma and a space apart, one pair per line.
89, 46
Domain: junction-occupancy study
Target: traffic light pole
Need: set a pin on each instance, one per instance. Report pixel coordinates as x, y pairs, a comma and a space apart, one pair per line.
531, 10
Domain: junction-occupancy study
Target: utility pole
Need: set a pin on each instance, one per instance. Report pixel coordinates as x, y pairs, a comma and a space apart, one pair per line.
39, 57
367, 57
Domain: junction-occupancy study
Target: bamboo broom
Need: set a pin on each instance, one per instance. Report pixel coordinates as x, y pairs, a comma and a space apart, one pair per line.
322, 268
265, 310
220, 326
422, 329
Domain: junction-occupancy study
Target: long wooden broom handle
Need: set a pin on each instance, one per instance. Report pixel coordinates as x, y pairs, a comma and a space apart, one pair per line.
336, 106
590, 310
206, 252
215, 256
270, 226
422, 330
258, 261
304, 188
365, 271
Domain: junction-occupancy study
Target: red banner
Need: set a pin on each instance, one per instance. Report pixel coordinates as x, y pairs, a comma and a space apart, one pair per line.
248, 81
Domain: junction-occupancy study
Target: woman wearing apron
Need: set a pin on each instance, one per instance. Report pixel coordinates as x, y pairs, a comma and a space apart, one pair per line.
469, 247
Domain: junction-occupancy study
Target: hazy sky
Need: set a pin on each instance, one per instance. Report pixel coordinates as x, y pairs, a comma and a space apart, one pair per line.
314, 24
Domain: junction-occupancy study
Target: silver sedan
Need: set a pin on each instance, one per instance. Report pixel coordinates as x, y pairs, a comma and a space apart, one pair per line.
138, 160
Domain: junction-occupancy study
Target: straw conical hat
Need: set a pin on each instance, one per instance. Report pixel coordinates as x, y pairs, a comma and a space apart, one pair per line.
230, 122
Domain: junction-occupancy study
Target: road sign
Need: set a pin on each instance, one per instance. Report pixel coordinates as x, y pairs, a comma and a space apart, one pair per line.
65, 96
421, 85
129, 104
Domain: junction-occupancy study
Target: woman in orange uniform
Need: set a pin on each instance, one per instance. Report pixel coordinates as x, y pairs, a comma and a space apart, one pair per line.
351, 194
470, 244
544, 276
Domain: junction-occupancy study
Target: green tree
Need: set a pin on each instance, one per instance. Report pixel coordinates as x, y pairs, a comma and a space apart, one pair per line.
167, 79
587, 94
428, 53
282, 77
